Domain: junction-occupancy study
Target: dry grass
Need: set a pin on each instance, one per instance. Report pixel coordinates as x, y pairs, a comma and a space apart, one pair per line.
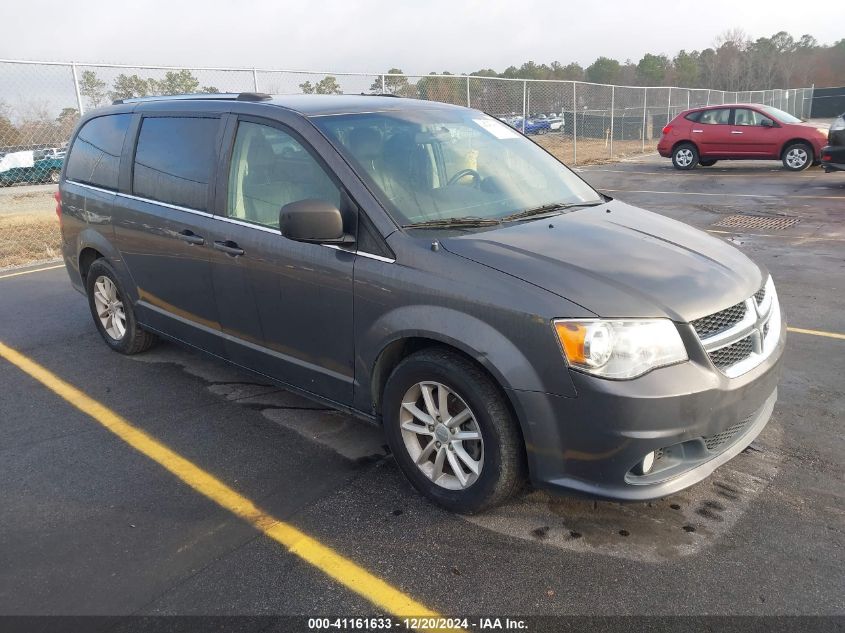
590, 150
28, 239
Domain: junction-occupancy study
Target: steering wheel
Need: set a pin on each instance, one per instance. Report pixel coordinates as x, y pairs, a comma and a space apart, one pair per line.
476, 177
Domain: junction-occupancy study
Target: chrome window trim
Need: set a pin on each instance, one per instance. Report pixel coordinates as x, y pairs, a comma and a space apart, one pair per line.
222, 218
176, 207
91, 187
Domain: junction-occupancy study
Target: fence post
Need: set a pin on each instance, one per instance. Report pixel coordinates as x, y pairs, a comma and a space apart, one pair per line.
574, 126
524, 103
612, 107
812, 96
645, 105
255, 80
76, 88
688, 91
467, 90
669, 107
708, 96
383, 88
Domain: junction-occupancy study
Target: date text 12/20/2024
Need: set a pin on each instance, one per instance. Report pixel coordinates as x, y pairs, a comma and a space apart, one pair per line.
416, 624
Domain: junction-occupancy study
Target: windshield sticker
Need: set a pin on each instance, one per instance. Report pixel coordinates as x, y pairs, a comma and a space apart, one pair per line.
496, 128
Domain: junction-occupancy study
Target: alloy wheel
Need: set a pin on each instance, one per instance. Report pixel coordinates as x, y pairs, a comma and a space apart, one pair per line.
109, 307
441, 435
683, 157
797, 157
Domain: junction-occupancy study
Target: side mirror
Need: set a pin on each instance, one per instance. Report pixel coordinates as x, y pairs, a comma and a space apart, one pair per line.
314, 221
767, 123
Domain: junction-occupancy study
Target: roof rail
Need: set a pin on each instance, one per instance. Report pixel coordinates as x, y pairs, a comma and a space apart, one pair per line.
231, 96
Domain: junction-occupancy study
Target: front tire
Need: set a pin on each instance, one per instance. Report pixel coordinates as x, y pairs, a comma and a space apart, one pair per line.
112, 311
685, 156
452, 433
797, 156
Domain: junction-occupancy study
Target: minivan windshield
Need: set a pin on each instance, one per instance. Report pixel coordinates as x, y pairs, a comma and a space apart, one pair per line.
780, 115
456, 167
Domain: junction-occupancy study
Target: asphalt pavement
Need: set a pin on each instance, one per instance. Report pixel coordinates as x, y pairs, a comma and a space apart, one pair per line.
91, 525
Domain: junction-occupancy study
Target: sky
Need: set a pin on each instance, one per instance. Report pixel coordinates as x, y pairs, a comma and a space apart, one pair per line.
374, 35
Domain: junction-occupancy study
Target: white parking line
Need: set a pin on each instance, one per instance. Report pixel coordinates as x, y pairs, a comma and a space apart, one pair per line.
29, 272
783, 237
729, 195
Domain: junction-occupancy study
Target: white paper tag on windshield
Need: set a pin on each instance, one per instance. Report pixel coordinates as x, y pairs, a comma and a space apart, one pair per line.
497, 128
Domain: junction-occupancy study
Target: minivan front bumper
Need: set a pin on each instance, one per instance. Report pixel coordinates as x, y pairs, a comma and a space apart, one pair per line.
692, 416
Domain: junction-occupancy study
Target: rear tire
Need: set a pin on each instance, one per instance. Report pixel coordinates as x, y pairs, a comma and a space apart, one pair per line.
486, 435
797, 156
112, 312
707, 163
685, 156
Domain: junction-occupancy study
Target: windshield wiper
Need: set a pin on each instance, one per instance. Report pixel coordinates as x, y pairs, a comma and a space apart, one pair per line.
465, 221
547, 209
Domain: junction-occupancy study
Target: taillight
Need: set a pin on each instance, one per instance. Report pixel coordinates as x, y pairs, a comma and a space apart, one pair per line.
58, 197
827, 157
667, 129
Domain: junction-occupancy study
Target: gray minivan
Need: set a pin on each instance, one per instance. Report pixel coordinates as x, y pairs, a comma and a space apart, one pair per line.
427, 268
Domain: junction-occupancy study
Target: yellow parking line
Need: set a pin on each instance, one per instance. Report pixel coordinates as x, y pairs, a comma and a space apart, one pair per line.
29, 272
309, 549
799, 330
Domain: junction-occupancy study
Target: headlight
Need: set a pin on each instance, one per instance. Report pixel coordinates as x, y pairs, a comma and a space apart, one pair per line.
838, 124
619, 349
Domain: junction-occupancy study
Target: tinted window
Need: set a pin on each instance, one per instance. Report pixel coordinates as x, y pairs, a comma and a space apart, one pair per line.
693, 116
744, 116
270, 169
720, 116
95, 155
174, 160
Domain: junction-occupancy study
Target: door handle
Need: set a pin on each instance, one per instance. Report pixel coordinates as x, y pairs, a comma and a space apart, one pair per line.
229, 247
697, 131
190, 237
735, 132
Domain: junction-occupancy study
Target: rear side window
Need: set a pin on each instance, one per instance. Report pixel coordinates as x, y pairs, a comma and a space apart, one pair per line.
693, 116
719, 116
174, 160
95, 156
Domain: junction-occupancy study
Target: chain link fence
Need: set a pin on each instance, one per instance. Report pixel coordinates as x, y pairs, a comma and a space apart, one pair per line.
40, 103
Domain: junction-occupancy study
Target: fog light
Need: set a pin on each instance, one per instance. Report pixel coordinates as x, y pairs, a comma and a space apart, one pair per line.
645, 466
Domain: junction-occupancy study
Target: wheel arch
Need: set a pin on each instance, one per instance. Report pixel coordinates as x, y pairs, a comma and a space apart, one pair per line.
87, 256
401, 348
94, 245
686, 142
797, 139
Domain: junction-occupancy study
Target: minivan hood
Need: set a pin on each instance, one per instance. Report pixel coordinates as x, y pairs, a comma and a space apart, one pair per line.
616, 260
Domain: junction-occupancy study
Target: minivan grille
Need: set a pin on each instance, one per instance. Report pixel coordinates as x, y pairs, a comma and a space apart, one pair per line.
732, 354
720, 321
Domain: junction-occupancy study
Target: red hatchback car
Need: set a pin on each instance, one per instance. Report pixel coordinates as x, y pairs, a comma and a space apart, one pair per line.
702, 136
